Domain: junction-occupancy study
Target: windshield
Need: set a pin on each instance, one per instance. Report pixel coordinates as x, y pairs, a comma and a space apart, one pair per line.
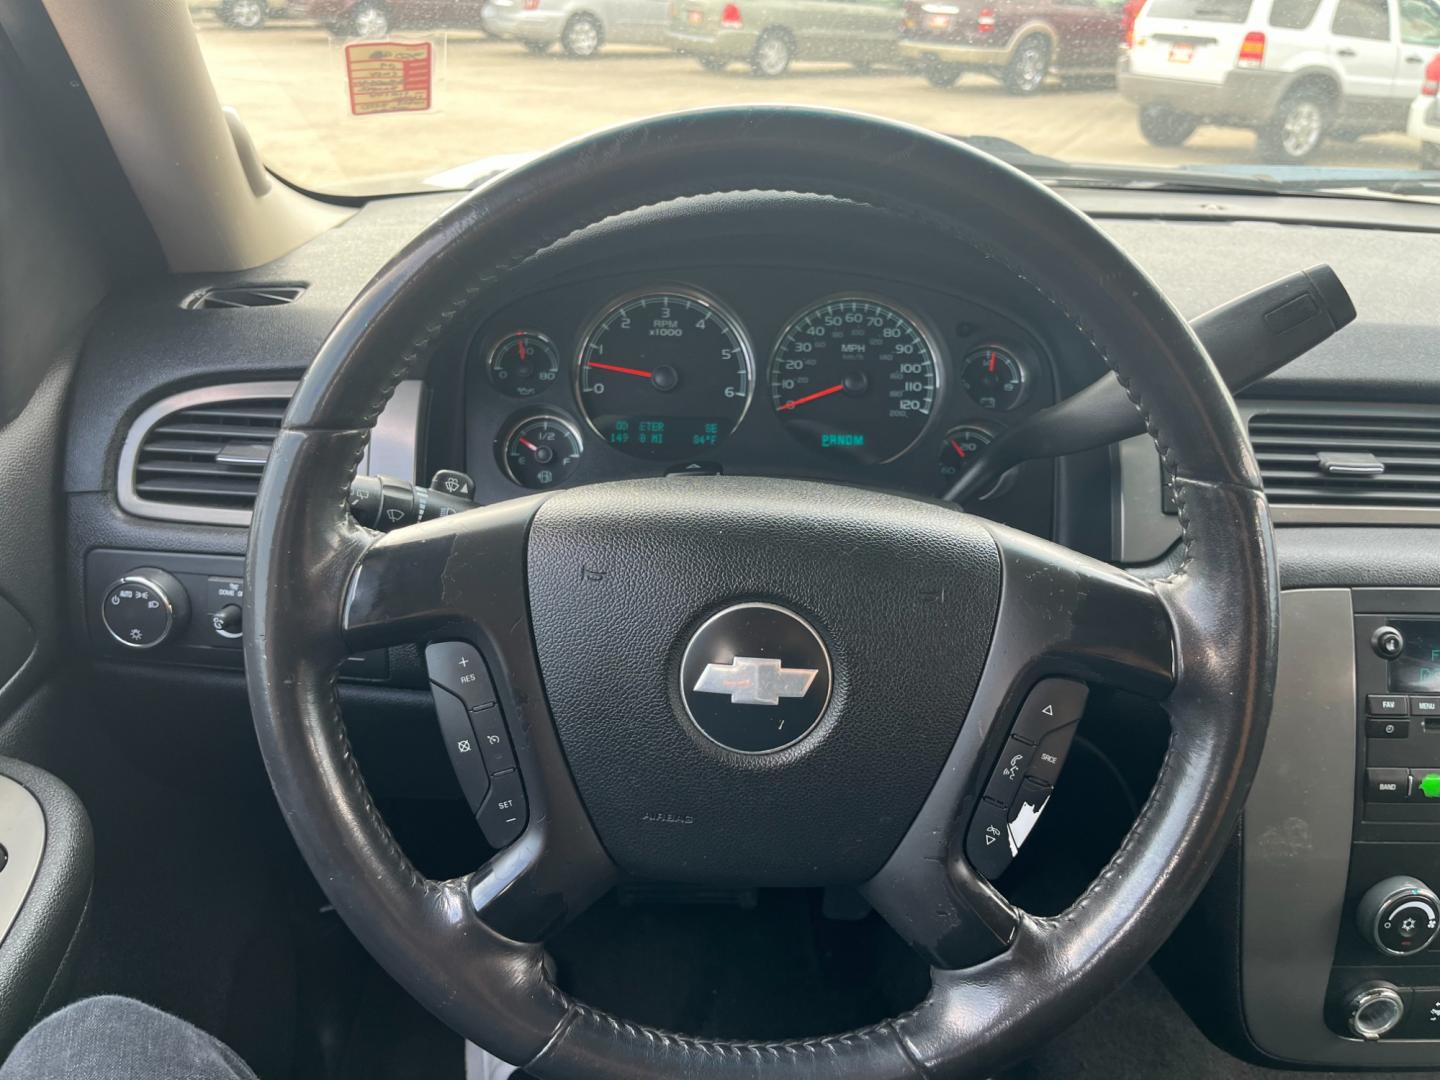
365, 96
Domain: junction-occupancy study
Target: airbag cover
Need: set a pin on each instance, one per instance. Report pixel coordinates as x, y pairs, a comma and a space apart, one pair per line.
903, 594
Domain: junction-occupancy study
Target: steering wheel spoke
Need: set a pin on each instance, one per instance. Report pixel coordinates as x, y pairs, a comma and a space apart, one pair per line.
438, 578
1066, 622
458, 585
1065, 614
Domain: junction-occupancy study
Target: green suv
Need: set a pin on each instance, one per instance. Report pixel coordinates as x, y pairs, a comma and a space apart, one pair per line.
769, 34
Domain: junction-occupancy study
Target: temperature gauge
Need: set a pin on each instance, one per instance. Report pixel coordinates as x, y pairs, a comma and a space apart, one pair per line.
994, 378
960, 448
523, 363
542, 452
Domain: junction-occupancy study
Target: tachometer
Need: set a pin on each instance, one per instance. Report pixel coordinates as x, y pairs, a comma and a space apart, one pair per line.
855, 378
665, 374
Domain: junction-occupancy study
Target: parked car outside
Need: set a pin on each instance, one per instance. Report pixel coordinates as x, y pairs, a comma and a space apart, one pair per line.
376, 18
770, 34
1425, 116
1020, 42
243, 14
1295, 71
580, 27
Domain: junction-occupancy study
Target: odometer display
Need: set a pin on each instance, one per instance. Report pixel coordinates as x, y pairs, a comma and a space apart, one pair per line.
665, 375
854, 378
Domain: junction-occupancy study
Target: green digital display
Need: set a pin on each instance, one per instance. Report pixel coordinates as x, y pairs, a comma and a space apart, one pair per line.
1417, 669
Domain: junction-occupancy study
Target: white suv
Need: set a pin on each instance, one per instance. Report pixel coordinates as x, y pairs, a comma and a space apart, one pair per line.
1293, 70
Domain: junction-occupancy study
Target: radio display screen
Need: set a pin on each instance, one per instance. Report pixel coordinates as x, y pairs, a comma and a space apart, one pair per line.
1417, 669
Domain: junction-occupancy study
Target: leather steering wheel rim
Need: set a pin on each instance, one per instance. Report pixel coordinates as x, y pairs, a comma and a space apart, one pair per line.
1218, 603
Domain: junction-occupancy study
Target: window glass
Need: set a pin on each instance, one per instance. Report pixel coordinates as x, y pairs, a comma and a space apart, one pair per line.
1225, 11
1419, 22
1362, 19
1293, 14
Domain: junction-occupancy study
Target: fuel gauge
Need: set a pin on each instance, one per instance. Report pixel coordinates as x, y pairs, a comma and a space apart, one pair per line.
542, 451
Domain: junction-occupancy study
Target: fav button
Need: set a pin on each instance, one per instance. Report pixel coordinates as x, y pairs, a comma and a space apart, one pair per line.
1388, 785
1387, 704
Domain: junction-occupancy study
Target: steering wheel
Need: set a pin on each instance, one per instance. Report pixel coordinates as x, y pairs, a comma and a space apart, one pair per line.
586, 603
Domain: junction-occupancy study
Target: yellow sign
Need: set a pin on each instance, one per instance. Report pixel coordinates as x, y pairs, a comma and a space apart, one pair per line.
389, 77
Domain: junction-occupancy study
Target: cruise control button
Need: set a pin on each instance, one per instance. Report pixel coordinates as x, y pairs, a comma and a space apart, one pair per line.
1426, 705
1009, 771
462, 746
1387, 785
987, 845
1050, 755
458, 668
1052, 704
1387, 704
1025, 813
502, 818
494, 741
1378, 727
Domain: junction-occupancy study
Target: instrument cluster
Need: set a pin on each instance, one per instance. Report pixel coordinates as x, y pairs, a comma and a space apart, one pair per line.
755, 371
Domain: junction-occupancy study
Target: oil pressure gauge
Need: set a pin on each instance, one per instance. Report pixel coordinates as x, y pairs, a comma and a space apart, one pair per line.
542, 452
523, 364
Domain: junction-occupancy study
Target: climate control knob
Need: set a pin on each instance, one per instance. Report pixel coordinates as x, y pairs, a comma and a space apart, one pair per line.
145, 608
1400, 916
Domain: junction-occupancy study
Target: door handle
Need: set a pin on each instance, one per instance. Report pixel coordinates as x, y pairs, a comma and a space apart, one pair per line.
1412, 59
1349, 54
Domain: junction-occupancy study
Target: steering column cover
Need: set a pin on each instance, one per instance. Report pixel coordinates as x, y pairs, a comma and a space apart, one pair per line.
1222, 597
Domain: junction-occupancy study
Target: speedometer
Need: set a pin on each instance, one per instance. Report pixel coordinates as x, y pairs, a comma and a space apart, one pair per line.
855, 378
665, 374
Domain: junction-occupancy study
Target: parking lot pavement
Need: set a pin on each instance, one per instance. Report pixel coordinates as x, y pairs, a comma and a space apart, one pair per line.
494, 98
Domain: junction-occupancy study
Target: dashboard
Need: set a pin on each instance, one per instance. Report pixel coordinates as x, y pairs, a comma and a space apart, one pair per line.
810, 373
874, 361
710, 316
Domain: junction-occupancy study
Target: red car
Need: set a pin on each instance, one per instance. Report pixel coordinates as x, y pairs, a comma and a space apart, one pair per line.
1020, 42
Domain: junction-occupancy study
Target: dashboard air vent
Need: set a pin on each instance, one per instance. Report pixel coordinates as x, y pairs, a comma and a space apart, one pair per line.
1364, 456
245, 296
198, 456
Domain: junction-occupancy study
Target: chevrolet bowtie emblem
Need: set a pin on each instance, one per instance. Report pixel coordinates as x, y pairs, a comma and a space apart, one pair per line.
751, 680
